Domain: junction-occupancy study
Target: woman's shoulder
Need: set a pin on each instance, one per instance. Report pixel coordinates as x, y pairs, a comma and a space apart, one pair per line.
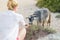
20, 15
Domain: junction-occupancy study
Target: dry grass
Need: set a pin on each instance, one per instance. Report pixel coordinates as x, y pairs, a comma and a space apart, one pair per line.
34, 32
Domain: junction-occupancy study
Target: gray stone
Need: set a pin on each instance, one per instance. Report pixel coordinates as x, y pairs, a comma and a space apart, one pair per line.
55, 36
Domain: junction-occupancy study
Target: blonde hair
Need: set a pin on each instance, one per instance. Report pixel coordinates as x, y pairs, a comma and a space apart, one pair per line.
11, 4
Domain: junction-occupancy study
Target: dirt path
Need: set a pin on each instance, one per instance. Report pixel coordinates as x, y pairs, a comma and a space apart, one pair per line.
27, 7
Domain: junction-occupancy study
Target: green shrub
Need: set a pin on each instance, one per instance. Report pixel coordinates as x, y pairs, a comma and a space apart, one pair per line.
52, 5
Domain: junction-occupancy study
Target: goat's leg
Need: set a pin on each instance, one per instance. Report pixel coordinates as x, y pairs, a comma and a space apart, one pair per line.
43, 23
39, 23
49, 20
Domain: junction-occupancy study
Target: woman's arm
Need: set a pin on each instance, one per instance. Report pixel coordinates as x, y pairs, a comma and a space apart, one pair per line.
21, 33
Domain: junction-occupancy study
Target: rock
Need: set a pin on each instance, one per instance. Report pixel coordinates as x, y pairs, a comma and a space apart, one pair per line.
55, 36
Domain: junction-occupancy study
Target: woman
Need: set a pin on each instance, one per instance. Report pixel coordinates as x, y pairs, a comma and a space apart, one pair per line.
11, 23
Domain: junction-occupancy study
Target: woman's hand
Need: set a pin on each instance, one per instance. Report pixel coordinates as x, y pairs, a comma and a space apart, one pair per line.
27, 25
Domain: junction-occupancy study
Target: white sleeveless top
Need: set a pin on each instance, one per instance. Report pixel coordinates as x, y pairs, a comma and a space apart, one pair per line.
9, 24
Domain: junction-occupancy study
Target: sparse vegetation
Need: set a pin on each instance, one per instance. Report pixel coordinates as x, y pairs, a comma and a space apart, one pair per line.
49, 30
34, 32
